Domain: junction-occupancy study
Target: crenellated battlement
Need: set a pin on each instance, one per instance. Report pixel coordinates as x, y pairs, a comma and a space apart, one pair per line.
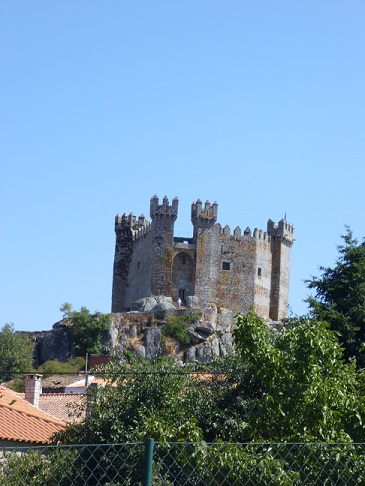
237, 233
164, 210
282, 230
128, 224
209, 213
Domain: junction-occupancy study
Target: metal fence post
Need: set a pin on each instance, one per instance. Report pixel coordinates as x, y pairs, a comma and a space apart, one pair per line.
147, 462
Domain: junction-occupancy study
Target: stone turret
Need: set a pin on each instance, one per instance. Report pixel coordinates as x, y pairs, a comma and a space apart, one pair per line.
163, 219
282, 238
203, 218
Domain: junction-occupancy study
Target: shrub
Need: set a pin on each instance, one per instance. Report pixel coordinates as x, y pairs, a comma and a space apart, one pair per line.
176, 327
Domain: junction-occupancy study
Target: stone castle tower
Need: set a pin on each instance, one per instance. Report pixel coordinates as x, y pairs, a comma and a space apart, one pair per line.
236, 271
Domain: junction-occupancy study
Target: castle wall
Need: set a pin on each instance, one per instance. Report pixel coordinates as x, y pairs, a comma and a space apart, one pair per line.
183, 271
140, 271
235, 285
122, 261
262, 275
162, 228
226, 265
132, 260
207, 249
282, 238
280, 280
236, 271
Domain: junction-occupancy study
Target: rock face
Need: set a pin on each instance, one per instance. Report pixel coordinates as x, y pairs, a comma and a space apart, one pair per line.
152, 339
140, 331
160, 305
55, 344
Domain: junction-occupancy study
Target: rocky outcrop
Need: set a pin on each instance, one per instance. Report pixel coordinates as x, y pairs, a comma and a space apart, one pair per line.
55, 344
159, 304
140, 330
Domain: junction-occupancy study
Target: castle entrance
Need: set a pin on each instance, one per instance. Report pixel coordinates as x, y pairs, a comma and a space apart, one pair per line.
182, 276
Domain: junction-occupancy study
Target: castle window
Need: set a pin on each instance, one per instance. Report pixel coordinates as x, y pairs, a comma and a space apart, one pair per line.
139, 264
259, 272
226, 266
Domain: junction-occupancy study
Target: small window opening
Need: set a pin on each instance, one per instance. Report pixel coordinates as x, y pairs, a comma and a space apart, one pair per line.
139, 264
182, 259
226, 266
259, 272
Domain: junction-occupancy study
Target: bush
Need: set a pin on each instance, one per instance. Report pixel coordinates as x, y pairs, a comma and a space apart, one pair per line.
176, 327
36, 468
54, 367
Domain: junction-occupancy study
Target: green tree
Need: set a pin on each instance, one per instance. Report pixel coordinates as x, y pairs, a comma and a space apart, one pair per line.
16, 353
340, 296
88, 330
66, 309
307, 392
291, 385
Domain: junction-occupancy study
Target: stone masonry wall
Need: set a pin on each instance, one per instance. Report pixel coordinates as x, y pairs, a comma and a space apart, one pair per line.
235, 271
141, 268
163, 218
262, 275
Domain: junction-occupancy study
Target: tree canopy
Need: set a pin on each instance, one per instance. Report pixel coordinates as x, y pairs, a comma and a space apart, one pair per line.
340, 297
286, 385
291, 384
307, 391
16, 353
88, 330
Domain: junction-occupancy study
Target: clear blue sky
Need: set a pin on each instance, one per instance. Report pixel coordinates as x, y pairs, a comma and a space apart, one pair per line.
259, 106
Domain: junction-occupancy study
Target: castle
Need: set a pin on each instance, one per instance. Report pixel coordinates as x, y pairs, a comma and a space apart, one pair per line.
236, 271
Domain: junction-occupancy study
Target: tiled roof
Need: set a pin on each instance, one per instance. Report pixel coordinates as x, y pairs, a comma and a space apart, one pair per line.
22, 422
59, 381
65, 406
92, 379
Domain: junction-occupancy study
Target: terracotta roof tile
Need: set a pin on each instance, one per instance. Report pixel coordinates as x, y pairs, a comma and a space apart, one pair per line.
21, 421
65, 406
59, 381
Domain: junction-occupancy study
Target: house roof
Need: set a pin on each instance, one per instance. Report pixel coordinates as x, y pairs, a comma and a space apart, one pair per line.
59, 381
22, 422
92, 379
65, 406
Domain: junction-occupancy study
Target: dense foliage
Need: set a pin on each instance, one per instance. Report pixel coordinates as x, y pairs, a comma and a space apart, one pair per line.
160, 400
176, 327
54, 367
289, 384
88, 330
340, 297
16, 353
307, 391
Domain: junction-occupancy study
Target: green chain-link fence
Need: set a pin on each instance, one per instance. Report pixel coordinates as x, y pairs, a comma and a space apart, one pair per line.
185, 464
